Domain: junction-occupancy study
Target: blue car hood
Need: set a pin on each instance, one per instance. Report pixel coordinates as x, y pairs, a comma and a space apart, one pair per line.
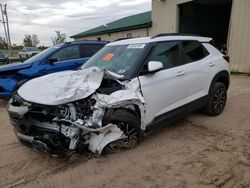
15, 66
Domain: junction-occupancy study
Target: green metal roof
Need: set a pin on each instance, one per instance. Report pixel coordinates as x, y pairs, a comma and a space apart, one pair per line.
128, 23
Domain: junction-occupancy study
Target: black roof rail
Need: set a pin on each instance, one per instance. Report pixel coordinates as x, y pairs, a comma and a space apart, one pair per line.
76, 41
125, 38
174, 34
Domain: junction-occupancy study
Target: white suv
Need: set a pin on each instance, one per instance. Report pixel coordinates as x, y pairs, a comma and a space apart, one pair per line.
127, 87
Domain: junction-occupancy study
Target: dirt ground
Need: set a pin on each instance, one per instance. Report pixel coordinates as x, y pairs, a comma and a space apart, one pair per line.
199, 151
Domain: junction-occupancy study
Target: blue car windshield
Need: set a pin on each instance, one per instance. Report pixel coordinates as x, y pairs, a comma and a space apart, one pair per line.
118, 59
43, 54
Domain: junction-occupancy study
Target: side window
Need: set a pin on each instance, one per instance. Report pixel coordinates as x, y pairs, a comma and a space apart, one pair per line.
87, 50
193, 51
167, 53
67, 53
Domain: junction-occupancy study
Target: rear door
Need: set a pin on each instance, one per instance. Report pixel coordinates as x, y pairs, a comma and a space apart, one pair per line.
198, 68
166, 89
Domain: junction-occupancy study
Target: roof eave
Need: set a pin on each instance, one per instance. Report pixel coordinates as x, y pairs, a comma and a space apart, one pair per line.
145, 25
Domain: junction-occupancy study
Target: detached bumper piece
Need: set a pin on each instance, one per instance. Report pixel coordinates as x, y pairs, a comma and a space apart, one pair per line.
45, 145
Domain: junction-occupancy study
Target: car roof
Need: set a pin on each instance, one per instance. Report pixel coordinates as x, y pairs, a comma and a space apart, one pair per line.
145, 40
86, 42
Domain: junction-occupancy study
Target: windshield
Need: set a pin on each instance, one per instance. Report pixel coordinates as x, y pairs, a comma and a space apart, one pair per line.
118, 59
43, 54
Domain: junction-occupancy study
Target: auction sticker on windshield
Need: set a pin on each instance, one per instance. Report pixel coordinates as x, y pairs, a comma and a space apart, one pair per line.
108, 57
134, 46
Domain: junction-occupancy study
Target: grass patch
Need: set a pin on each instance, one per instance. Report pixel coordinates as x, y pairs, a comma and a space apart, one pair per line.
13, 53
240, 73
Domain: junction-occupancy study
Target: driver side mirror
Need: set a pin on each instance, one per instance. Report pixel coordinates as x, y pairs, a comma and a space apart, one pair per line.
52, 60
154, 66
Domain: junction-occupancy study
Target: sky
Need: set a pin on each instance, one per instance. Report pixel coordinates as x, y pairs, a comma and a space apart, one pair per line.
43, 17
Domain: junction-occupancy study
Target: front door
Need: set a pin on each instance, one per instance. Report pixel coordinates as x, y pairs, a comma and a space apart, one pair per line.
68, 58
166, 89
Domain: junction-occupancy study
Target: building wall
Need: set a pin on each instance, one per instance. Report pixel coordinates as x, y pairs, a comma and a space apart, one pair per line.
165, 19
114, 36
239, 36
165, 16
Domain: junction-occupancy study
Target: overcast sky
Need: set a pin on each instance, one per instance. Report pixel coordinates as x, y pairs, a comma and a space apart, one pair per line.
43, 17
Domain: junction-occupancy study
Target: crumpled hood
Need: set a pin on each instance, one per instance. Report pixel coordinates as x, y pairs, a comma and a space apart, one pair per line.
15, 66
62, 87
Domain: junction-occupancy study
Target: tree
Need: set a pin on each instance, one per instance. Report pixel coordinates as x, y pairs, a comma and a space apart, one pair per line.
35, 40
59, 38
27, 41
30, 40
3, 43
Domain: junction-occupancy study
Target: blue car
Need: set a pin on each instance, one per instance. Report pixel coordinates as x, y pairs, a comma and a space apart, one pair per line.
66, 56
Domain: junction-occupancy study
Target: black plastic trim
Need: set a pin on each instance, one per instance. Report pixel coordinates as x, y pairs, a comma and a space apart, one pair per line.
178, 113
220, 75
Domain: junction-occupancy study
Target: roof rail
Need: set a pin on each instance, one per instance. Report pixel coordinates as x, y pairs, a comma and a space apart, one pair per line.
125, 38
174, 34
75, 41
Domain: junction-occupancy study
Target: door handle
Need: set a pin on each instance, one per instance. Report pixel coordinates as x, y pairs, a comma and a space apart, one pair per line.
211, 64
180, 73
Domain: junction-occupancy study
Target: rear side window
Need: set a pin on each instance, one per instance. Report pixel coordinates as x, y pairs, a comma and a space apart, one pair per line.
167, 53
88, 50
193, 51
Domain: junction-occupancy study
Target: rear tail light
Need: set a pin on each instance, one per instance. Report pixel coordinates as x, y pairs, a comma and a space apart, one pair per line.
227, 58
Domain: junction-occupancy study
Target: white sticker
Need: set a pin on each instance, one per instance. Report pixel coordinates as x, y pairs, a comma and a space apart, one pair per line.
133, 46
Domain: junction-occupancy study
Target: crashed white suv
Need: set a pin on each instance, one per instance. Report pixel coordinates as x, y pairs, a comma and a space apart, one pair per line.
127, 87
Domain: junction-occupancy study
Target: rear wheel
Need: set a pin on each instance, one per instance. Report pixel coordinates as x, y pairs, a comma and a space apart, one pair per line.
217, 99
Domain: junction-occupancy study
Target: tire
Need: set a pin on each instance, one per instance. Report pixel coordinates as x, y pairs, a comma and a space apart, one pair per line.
217, 99
129, 123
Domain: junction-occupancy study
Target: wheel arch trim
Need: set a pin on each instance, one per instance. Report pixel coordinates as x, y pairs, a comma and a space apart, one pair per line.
220, 76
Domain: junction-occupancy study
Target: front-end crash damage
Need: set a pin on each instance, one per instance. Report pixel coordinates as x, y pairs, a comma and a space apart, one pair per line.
71, 111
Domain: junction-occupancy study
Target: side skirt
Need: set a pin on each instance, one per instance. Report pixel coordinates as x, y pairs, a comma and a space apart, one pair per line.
177, 114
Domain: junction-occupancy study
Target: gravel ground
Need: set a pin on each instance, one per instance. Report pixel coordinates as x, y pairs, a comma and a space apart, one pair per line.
199, 151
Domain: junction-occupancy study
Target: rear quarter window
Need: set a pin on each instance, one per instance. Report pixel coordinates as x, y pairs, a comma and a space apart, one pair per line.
193, 51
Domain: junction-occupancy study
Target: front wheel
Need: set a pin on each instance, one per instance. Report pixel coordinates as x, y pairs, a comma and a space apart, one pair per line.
217, 99
130, 125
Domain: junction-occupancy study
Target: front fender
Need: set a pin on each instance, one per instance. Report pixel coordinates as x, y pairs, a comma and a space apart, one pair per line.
7, 86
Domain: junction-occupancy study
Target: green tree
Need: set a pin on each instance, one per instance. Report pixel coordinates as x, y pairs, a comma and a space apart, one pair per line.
31, 41
59, 38
3, 43
27, 41
35, 41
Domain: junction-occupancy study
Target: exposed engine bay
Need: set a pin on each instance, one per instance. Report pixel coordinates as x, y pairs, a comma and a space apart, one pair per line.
104, 115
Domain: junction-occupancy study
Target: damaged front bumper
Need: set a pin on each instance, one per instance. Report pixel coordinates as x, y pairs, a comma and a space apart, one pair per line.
88, 114
60, 137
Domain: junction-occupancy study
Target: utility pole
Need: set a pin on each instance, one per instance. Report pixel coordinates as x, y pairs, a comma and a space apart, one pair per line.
3, 21
7, 23
6, 27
